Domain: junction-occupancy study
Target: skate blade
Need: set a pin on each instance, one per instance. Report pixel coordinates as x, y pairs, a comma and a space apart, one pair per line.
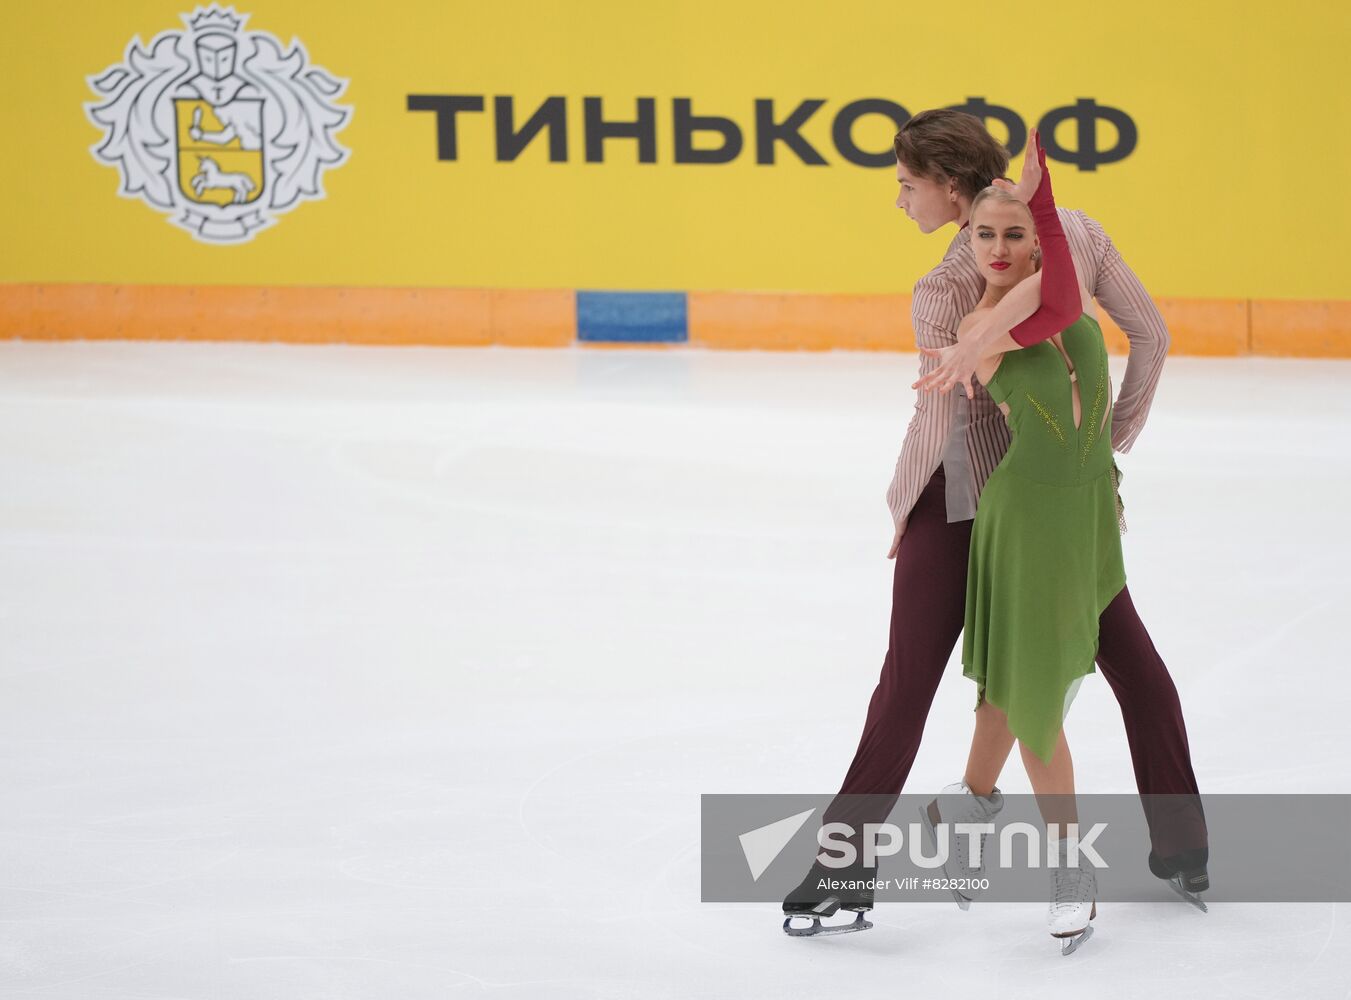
961, 901
1070, 940
815, 929
1069, 945
1175, 883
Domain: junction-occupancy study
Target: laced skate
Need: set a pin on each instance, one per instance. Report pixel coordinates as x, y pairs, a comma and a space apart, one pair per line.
1074, 892
955, 804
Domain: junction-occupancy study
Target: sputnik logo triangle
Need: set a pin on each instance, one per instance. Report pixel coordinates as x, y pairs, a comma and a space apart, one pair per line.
763, 844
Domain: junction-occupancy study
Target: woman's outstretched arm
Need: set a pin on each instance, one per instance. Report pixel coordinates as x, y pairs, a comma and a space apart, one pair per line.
1061, 302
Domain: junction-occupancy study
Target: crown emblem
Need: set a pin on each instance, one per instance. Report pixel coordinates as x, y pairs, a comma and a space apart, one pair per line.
222, 129
215, 17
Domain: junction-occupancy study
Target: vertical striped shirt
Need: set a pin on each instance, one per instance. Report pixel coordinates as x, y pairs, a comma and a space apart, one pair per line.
969, 436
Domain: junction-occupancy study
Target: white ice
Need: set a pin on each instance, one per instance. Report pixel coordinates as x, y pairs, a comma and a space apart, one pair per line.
365, 672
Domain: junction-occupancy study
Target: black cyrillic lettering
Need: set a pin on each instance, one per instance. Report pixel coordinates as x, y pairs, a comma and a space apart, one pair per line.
598, 130
552, 114
1086, 112
842, 130
768, 132
446, 107
687, 123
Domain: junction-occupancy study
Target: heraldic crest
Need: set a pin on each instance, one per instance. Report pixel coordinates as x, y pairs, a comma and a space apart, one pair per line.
221, 128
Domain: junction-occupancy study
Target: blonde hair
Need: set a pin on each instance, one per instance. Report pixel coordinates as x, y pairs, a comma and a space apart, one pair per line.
993, 193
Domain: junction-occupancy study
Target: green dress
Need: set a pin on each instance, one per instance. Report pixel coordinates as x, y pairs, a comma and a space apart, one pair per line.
1045, 555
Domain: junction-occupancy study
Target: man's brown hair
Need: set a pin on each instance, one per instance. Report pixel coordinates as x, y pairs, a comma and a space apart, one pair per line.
942, 143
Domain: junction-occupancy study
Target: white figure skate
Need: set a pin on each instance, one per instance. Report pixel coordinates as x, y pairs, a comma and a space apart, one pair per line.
1074, 893
958, 804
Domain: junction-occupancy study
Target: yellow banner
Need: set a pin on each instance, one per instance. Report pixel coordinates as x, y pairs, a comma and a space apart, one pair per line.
686, 146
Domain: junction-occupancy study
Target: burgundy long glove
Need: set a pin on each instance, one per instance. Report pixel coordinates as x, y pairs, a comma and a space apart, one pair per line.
1061, 303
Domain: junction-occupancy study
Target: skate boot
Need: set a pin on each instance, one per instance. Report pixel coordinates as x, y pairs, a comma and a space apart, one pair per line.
826, 891
958, 804
1074, 892
1186, 875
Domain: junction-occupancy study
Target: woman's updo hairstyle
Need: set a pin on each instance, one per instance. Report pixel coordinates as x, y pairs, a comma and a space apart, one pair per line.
998, 194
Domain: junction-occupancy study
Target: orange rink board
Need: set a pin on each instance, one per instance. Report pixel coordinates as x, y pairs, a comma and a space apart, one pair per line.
782, 321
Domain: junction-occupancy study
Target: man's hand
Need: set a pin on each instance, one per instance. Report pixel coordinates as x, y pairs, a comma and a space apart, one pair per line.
956, 363
896, 541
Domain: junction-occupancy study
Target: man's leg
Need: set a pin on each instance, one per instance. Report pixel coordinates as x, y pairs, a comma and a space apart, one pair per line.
928, 606
1155, 731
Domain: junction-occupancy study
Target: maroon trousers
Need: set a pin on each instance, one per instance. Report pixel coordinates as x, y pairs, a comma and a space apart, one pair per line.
928, 609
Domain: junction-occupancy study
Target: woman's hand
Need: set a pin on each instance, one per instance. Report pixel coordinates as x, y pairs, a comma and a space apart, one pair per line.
1030, 180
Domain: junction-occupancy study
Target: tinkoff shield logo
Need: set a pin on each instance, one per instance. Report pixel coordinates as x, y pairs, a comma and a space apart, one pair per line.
221, 128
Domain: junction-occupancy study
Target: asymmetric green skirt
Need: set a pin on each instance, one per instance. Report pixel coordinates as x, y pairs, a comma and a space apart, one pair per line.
1045, 562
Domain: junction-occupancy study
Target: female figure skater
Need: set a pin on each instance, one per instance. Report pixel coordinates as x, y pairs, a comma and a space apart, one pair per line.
1045, 557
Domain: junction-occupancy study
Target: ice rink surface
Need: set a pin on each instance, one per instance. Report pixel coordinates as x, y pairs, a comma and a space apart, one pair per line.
344, 672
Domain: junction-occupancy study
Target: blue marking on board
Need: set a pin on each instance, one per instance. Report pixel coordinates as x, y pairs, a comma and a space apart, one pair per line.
632, 317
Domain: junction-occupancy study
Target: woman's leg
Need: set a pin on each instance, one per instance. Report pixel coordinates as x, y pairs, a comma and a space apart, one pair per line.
1074, 888
1053, 783
990, 747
